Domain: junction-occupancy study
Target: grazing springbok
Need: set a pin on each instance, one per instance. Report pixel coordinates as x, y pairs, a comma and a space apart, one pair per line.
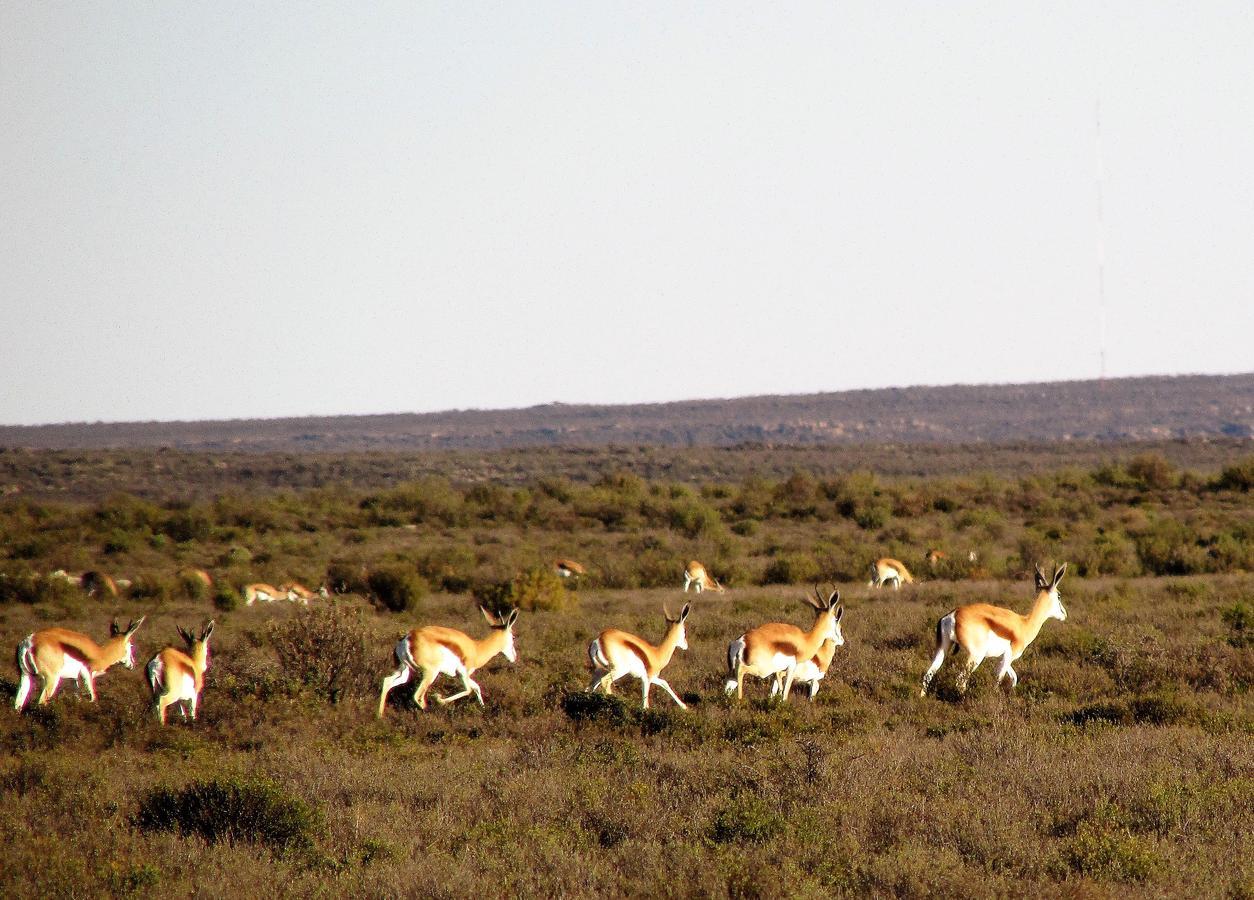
617, 653
98, 584
886, 570
568, 567
56, 653
435, 651
934, 557
780, 648
811, 672
696, 575
68, 578
983, 630
177, 678
267, 593
298, 593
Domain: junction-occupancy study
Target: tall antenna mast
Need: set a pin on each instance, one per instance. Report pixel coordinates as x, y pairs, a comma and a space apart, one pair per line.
1101, 242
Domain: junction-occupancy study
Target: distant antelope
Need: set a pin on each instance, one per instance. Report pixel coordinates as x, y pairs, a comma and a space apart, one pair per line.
696, 574
983, 630
298, 593
67, 577
780, 648
886, 570
934, 557
98, 584
267, 593
568, 567
199, 576
177, 678
435, 651
56, 653
810, 672
617, 653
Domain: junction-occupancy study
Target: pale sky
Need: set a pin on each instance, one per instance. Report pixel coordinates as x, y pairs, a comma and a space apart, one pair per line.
237, 210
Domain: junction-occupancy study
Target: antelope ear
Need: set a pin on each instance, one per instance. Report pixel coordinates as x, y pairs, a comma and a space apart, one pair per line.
134, 626
833, 600
184, 635
114, 631
1041, 582
683, 613
1061, 571
491, 619
511, 618
840, 613
204, 635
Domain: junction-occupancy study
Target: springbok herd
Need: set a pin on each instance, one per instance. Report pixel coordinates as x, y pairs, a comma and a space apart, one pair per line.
785, 654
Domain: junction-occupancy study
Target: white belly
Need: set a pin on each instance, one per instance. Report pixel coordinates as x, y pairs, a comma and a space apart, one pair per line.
187, 688
449, 663
806, 673
995, 645
780, 662
72, 668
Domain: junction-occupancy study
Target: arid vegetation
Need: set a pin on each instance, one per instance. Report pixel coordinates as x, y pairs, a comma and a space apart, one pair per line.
1123, 763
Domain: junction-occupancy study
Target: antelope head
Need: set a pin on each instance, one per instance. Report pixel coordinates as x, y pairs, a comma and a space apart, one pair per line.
677, 624
830, 604
1056, 610
128, 655
505, 624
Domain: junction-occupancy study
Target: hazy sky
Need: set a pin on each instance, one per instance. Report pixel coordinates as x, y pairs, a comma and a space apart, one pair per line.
218, 210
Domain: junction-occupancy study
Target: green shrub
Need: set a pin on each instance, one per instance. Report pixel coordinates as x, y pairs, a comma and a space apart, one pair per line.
347, 576
1240, 622
151, 588
1106, 851
539, 588
397, 587
1237, 477
1152, 471
584, 706
224, 809
746, 819
226, 597
325, 648
791, 568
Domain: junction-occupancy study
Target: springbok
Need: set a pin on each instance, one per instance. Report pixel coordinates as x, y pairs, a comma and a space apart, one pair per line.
811, 672
298, 593
267, 593
696, 574
983, 630
99, 584
435, 651
199, 576
568, 567
617, 653
177, 678
778, 647
56, 653
68, 578
888, 569
934, 557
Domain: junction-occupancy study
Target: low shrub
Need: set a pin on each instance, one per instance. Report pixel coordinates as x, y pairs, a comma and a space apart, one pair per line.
325, 649
397, 587
585, 706
225, 809
746, 819
539, 588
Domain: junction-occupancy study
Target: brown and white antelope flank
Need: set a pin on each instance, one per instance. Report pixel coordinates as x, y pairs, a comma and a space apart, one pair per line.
434, 651
56, 653
266, 593
298, 593
568, 567
886, 570
780, 648
696, 574
983, 631
617, 653
810, 672
177, 678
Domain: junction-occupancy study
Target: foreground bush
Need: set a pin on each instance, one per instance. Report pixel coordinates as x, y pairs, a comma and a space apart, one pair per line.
257, 812
325, 649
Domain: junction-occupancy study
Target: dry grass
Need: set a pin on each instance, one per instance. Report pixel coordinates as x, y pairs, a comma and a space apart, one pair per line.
1123, 764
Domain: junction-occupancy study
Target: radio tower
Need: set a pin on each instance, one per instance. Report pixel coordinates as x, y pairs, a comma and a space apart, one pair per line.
1101, 245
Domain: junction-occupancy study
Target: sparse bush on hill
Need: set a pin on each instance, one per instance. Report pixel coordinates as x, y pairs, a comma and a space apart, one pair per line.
224, 809
325, 648
397, 586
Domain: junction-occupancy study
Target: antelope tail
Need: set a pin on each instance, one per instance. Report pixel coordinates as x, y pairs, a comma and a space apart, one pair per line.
596, 655
736, 656
26, 656
156, 674
405, 655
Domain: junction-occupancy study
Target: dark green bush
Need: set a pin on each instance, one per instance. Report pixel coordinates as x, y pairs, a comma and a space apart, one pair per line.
347, 576
1240, 622
583, 706
746, 819
225, 809
792, 568
540, 588
397, 587
1237, 477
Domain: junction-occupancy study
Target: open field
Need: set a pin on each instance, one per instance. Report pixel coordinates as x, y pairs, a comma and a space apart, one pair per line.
1122, 765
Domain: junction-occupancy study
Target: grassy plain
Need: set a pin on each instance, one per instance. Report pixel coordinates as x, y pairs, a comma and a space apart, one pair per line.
1122, 765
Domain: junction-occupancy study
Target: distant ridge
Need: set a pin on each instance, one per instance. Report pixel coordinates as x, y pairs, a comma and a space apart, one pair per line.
1125, 409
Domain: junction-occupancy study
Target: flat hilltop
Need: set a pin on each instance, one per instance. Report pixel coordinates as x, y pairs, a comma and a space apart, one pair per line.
1116, 410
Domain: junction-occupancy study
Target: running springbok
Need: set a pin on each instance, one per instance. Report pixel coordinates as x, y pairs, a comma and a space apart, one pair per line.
435, 651
617, 653
267, 593
298, 593
568, 567
56, 653
811, 672
696, 574
177, 678
983, 630
888, 569
780, 648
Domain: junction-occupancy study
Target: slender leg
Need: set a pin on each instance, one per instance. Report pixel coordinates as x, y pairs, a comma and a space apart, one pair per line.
740, 682
23, 690
49, 688
194, 700
792, 671
424, 684
644, 690
932, 669
660, 682
964, 676
468, 687
400, 676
